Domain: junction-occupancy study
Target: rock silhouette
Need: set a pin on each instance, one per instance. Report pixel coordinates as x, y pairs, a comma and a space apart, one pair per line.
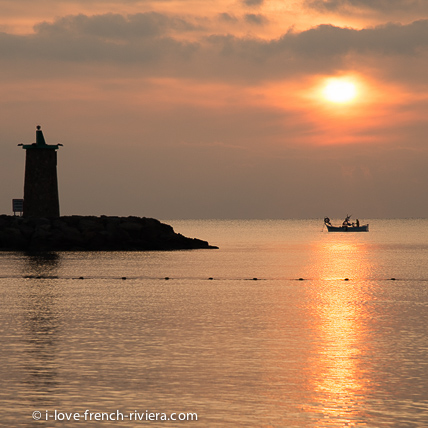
90, 233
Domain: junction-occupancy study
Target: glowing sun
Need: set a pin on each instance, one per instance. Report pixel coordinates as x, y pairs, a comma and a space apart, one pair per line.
339, 91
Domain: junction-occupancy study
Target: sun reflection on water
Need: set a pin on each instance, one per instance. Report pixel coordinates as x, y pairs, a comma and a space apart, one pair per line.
339, 314
342, 260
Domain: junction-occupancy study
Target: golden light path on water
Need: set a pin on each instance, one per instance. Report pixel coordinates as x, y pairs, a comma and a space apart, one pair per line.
338, 377
321, 366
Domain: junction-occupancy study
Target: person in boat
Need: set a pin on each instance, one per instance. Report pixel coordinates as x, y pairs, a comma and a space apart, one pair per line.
346, 221
357, 223
327, 221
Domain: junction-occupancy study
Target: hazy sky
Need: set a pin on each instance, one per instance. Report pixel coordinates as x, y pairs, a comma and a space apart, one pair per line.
201, 109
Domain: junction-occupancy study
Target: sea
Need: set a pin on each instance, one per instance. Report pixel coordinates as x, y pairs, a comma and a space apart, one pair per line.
285, 325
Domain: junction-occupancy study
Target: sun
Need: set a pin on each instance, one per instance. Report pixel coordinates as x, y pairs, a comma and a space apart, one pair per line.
339, 90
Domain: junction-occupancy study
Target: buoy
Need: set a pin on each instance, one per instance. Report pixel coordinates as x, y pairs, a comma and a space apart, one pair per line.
392, 279
254, 279
210, 278
346, 279
301, 279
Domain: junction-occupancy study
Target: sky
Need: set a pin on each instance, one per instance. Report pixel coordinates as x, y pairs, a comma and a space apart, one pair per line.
198, 109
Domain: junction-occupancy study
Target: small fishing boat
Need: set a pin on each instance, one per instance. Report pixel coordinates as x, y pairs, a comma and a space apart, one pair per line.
347, 226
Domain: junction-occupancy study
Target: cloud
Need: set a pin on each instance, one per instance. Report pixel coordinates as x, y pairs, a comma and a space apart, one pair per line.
328, 40
159, 43
324, 49
109, 38
382, 6
115, 26
323, 40
256, 19
252, 2
227, 17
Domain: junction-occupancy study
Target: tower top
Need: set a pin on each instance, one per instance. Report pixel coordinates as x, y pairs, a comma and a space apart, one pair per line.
40, 142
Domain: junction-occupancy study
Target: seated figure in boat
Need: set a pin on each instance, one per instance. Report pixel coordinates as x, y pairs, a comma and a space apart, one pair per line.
327, 221
346, 221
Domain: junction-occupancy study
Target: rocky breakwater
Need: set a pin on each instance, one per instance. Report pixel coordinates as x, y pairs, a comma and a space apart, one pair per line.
90, 233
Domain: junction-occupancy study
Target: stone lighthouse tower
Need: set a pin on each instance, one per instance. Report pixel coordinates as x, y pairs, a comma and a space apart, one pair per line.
41, 182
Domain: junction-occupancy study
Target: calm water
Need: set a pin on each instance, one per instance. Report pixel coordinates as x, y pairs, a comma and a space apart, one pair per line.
274, 352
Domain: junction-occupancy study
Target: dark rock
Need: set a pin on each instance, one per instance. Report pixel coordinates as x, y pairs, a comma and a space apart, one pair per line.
131, 227
12, 238
90, 224
90, 233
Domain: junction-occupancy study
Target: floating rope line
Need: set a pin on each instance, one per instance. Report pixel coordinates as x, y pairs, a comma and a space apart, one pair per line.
167, 278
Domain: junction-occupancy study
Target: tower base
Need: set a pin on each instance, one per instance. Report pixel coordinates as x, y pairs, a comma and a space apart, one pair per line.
41, 184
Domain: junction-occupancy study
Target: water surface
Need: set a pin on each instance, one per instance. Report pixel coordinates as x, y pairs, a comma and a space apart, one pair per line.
285, 325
